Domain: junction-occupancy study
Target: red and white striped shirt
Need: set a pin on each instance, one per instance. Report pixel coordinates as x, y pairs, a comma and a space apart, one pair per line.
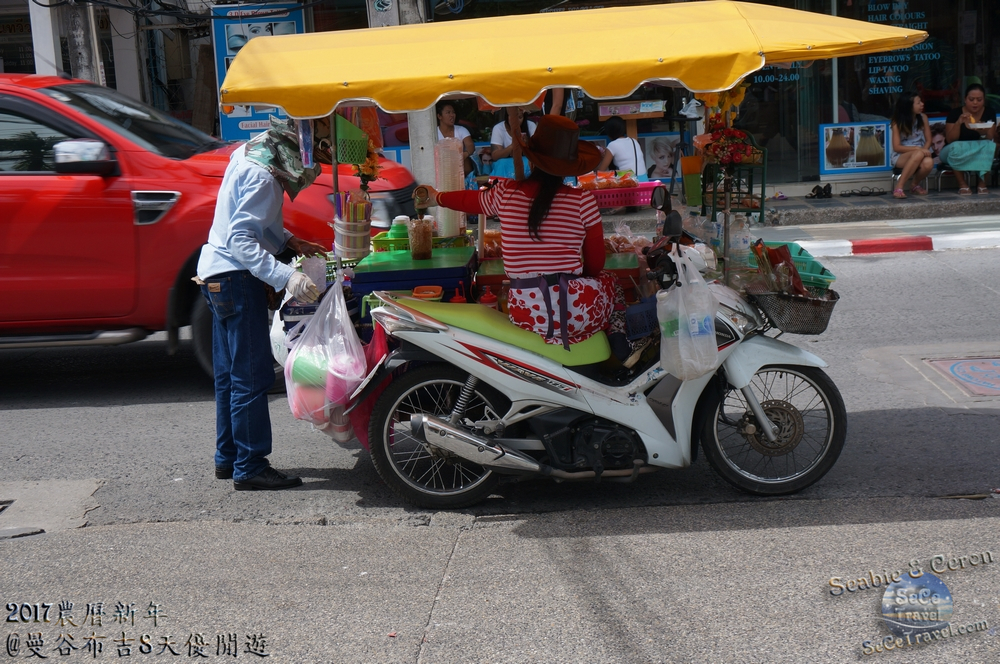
562, 232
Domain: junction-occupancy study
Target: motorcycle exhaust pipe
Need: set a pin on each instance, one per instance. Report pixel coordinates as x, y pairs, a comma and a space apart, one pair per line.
441, 434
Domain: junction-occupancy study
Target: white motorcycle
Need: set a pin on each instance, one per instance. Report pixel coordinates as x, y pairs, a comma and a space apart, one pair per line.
472, 397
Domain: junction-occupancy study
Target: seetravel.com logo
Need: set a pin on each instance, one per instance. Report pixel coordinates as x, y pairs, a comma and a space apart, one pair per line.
918, 611
917, 606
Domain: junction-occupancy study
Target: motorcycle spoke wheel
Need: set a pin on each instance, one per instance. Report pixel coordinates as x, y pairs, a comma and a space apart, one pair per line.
811, 421
420, 475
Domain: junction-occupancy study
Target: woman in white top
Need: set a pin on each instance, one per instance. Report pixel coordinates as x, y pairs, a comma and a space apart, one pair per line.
501, 141
448, 129
625, 152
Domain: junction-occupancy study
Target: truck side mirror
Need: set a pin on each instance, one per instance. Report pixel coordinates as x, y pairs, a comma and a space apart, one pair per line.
84, 155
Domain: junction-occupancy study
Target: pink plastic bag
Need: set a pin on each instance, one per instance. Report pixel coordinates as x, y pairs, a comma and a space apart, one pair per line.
375, 350
326, 363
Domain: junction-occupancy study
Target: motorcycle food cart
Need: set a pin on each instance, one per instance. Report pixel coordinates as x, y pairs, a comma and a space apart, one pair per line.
701, 46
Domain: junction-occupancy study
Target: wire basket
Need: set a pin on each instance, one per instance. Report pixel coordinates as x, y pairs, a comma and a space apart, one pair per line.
352, 143
640, 319
795, 314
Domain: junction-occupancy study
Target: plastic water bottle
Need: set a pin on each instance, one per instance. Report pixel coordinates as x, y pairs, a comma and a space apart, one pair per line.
692, 224
714, 229
739, 243
667, 315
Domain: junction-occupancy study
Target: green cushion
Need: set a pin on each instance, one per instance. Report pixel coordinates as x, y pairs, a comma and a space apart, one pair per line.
495, 325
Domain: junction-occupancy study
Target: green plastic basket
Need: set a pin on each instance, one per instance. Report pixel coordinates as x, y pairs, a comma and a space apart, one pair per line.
812, 272
352, 143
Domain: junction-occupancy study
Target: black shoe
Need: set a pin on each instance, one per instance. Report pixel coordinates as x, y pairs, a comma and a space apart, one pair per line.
828, 191
223, 473
268, 480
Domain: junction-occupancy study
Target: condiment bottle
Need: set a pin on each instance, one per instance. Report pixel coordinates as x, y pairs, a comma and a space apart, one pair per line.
504, 294
458, 297
399, 228
488, 298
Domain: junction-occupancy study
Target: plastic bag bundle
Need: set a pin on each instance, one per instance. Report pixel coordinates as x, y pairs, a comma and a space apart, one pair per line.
449, 176
325, 365
686, 314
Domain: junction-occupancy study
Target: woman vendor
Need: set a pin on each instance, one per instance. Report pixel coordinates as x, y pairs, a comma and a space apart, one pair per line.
966, 150
544, 225
448, 129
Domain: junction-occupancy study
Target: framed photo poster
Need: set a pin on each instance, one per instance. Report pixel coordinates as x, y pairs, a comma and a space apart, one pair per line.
854, 147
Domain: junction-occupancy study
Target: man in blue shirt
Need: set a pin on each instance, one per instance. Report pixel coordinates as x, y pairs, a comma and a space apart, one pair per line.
235, 267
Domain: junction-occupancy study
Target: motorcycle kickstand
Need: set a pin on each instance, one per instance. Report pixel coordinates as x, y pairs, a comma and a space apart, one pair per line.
768, 427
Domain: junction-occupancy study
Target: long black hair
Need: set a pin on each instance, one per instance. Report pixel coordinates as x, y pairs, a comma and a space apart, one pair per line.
903, 115
549, 185
974, 86
615, 127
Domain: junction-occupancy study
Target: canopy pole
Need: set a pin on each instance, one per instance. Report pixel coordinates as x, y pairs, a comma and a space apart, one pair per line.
333, 151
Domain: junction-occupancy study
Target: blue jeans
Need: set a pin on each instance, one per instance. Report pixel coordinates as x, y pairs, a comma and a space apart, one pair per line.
244, 372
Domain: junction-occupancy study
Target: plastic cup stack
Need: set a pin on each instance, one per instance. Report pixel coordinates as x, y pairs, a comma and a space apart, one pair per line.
449, 176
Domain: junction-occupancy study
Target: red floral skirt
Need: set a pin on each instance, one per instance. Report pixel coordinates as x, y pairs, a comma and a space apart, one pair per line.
589, 305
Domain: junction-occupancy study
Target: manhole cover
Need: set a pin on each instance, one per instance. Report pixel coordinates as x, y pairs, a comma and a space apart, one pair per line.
976, 376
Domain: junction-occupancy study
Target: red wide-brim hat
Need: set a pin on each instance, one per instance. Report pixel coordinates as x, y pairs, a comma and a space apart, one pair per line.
556, 148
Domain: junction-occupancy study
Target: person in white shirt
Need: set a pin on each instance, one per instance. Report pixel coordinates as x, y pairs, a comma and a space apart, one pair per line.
448, 129
624, 152
501, 140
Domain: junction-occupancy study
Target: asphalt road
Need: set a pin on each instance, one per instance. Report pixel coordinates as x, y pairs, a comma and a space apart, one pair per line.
677, 567
143, 422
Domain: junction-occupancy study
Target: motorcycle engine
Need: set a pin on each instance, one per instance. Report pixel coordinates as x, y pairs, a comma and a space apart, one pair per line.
575, 443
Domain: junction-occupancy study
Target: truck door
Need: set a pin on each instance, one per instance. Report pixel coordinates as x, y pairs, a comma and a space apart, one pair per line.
67, 241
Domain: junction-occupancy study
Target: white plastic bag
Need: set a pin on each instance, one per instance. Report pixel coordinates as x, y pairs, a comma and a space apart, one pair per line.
686, 314
326, 363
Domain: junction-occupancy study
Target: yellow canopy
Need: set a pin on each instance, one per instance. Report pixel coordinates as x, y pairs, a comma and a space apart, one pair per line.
508, 60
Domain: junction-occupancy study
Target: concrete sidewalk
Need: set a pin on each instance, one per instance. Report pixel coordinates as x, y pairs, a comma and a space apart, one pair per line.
746, 582
845, 239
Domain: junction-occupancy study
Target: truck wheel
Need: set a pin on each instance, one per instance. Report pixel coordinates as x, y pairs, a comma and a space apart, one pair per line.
201, 334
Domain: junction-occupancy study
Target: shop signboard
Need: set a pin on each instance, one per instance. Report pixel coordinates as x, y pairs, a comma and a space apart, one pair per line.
233, 27
854, 147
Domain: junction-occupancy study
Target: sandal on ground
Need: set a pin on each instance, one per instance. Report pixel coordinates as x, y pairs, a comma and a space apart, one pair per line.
864, 191
918, 190
982, 190
964, 191
898, 193
878, 191
847, 192
817, 192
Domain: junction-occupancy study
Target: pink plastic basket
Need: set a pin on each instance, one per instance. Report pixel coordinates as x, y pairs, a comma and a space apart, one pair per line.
626, 196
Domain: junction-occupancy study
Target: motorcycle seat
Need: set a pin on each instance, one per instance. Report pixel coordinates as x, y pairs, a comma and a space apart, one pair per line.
494, 324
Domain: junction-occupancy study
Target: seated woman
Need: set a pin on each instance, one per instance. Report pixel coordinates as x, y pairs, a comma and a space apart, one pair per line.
502, 145
911, 143
544, 225
448, 129
622, 152
966, 150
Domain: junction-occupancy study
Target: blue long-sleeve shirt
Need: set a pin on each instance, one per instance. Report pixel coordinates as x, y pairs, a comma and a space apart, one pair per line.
247, 230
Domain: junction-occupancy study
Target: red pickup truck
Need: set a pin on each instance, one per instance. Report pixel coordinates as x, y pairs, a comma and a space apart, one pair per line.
102, 252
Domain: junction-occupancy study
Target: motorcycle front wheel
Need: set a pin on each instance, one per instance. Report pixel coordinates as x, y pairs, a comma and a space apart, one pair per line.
811, 419
419, 475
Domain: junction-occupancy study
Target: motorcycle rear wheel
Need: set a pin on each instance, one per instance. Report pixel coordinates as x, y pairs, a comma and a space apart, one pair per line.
811, 418
419, 476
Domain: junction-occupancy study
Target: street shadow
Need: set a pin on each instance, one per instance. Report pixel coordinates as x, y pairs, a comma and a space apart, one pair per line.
919, 456
130, 374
